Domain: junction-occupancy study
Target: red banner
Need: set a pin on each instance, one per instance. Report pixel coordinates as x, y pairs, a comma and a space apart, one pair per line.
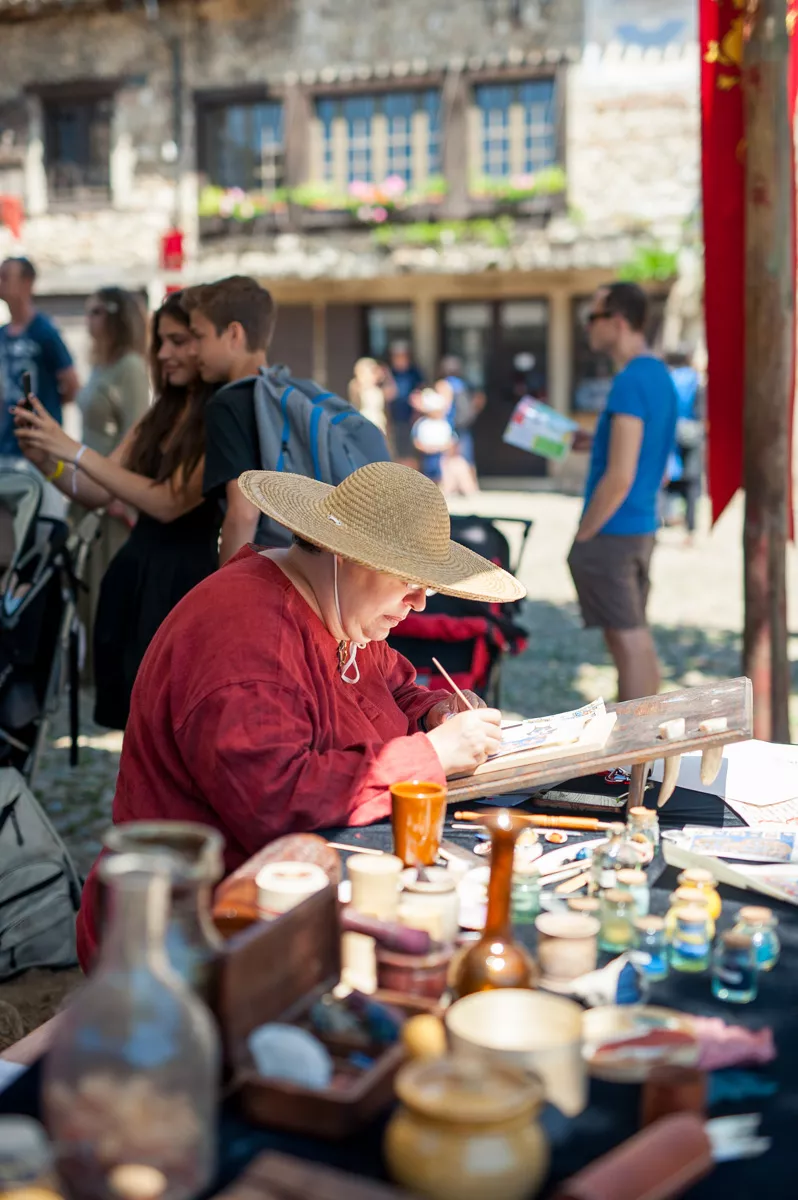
723, 179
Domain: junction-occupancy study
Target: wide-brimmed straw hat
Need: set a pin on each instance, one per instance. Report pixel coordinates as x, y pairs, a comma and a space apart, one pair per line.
386, 517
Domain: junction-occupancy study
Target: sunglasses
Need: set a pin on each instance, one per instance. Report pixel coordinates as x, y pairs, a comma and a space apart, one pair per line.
592, 317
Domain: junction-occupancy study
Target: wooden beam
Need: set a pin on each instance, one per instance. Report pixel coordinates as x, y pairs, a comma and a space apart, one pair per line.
769, 315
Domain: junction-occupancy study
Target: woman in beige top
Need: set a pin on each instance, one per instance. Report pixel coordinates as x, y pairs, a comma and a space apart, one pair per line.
115, 397
369, 390
117, 393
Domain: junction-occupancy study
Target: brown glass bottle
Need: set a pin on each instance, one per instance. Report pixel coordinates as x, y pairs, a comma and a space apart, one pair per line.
496, 960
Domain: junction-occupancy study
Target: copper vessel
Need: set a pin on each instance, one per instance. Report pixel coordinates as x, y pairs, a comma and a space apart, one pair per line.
496, 960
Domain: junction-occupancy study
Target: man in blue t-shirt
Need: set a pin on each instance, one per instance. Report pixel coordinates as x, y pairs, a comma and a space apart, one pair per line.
634, 437
29, 343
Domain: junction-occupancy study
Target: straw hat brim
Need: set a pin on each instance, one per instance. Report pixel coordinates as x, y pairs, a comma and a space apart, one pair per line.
295, 502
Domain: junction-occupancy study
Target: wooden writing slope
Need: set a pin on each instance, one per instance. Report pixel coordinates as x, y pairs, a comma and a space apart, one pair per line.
635, 739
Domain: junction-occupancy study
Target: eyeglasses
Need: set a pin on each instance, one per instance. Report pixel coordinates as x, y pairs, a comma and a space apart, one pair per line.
592, 317
416, 587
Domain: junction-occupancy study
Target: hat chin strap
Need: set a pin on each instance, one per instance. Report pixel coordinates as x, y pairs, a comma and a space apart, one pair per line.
351, 661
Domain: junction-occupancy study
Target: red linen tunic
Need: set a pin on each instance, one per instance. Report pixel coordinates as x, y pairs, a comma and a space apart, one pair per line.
240, 719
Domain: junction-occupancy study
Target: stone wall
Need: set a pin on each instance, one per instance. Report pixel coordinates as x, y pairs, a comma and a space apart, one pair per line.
225, 43
633, 141
631, 127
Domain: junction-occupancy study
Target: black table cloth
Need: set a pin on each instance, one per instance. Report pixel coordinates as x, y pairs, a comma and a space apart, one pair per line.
612, 1112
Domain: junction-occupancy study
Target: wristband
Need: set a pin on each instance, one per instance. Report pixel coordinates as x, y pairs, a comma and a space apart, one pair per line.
57, 473
79, 455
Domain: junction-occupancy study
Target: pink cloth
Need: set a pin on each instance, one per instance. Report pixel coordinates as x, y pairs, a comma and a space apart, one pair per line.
723, 1045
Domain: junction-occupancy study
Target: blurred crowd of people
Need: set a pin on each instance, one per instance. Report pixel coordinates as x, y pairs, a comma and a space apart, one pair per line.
427, 423
169, 425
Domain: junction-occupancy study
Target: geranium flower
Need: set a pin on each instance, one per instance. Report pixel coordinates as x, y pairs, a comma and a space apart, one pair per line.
393, 186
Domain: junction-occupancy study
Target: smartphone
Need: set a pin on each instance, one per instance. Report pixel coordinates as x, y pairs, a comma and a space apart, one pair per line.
27, 388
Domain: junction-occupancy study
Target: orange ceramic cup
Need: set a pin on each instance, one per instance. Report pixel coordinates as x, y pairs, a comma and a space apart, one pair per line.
418, 811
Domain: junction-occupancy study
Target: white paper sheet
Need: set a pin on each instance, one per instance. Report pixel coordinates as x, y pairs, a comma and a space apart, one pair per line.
758, 780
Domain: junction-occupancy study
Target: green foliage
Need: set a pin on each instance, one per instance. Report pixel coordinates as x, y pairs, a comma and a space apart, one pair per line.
548, 182
650, 264
496, 232
238, 205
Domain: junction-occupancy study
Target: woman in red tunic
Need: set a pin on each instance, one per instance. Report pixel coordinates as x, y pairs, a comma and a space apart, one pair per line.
269, 702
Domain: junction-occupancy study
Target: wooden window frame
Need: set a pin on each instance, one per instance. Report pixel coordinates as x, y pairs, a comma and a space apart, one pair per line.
208, 101
79, 92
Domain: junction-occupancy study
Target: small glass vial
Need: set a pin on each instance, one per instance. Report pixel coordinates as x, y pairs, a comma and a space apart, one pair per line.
635, 880
760, 924
642, 826
703, 881
616, 854
617, 916
26, 1160
652, 944
735, 977
526, 894
691, 940
693, 897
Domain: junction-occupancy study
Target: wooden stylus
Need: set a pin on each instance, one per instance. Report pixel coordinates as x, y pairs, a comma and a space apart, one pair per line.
584, 824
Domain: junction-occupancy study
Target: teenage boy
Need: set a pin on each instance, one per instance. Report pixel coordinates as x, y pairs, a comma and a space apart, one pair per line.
233, 323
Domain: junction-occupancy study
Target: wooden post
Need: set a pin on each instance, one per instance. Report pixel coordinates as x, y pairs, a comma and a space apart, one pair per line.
769, 308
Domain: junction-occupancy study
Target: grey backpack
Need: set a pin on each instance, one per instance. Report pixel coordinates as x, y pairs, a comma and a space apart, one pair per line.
39, 886
306, 430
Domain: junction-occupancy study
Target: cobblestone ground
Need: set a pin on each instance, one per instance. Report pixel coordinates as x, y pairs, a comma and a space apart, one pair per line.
695, 611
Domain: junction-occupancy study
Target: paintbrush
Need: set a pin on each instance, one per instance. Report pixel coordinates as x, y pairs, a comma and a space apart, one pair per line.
442, 671
583, 824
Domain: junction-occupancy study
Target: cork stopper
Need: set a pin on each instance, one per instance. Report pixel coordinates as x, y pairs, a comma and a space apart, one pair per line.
734, 940
588, 905
646, 816
755, 914
688, 895
632, 877
693, 914
616, 896
698, 876
650, 924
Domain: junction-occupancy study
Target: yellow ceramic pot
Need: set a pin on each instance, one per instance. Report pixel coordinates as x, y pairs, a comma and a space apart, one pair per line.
467, 1130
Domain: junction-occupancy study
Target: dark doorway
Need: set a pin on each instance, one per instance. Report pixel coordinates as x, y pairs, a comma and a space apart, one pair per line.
504, 349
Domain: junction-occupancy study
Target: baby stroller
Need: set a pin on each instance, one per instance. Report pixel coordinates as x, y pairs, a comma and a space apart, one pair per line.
41, 566
469, 638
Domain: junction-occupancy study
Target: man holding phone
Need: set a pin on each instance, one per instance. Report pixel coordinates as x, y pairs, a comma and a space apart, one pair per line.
29, 345
33, 359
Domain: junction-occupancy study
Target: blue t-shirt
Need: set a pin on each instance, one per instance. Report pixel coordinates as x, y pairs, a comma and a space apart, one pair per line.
40, 350
643, 389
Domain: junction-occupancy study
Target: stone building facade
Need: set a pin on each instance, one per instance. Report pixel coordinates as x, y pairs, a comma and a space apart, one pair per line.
462, 175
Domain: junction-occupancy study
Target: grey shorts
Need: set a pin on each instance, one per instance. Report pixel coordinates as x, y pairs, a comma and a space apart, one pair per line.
611, 576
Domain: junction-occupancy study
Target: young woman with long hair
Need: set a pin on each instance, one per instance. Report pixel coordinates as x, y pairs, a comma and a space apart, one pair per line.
156, 469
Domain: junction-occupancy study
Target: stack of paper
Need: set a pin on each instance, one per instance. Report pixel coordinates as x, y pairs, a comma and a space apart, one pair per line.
766, 859
758, 781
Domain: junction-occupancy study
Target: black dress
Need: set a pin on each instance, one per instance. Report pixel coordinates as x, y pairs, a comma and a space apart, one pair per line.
158, 564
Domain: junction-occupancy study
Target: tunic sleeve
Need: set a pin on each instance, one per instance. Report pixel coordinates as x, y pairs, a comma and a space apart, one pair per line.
258, 771
414, 700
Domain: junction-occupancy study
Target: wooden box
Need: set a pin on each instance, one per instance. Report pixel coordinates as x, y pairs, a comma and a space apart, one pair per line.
275, 972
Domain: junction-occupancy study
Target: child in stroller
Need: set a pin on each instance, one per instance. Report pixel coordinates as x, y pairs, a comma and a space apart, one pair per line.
468, 637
